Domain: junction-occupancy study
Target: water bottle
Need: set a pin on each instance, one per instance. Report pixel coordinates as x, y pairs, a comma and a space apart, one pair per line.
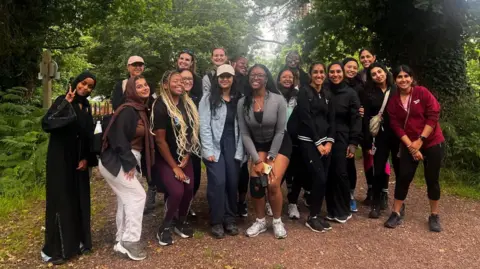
97, 138
98, 128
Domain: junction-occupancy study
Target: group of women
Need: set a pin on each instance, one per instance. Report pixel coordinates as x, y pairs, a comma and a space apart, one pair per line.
304, 128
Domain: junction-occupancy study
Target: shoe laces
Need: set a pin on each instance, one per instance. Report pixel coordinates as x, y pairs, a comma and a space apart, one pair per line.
257, 225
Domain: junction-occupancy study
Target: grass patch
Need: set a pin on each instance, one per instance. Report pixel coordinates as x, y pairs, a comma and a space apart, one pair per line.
198, 235
15, 204
454, 181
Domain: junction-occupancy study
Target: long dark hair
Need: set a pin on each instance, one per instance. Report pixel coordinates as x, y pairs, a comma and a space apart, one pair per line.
370, 84
371, 50
215, 97
270, 87
403, 68
193, 68
288, 93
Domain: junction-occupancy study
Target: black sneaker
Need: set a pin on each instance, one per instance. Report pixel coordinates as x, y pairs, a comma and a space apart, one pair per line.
217, 231
314, 224
326, 225
183, 229
374, 212
384, 200
369, 197
164, 236
393, 221
434, 223
242, 209
231, 229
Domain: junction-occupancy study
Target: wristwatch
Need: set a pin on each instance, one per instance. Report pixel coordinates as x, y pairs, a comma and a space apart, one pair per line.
270, 158
422, 138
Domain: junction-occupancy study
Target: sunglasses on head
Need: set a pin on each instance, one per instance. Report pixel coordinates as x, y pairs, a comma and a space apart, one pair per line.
189, 52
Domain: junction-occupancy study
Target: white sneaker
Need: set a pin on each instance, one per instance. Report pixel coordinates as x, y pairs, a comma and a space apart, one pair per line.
279, 229
257, 228
268, 209
293, 211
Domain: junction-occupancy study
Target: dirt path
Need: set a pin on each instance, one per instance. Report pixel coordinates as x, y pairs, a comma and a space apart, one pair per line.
361, 243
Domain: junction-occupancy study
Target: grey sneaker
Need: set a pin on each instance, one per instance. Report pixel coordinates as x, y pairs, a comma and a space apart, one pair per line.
293, 211
134, 250
150, 201
257, 228
268, 209
279, 229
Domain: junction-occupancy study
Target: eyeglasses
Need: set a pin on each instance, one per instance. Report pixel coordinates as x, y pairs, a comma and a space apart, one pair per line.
255, 76
188, 80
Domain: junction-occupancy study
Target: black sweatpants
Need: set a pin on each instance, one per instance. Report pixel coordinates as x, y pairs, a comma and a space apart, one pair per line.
297, 175
432, 161
317, 166
243, 181
387, 144
352, 174
338, 185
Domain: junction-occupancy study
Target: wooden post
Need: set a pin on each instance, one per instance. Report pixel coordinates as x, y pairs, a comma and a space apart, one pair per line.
46, 80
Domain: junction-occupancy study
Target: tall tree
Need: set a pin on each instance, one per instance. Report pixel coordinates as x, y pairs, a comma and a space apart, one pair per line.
158, 29
429, 35
27, 27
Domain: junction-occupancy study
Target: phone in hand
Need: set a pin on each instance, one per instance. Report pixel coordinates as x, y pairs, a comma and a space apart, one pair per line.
187, 180
267, 168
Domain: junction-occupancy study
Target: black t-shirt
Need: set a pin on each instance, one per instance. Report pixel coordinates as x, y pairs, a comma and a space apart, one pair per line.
162, 120
229, 127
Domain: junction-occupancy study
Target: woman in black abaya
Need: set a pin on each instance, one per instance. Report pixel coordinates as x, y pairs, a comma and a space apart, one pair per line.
70, 124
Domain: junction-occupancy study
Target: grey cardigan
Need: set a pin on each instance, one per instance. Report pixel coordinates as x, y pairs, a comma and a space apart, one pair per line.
271, 129
211, 130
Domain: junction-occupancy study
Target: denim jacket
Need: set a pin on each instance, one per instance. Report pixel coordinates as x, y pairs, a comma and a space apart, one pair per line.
211, 130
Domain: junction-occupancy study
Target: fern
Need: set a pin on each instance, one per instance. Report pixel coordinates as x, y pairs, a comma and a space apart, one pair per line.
23, 144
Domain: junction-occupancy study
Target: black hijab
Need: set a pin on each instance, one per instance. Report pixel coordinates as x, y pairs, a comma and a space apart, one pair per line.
83, 99
82, 106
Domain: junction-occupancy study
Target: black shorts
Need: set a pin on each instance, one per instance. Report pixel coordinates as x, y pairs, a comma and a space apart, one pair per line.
285, 148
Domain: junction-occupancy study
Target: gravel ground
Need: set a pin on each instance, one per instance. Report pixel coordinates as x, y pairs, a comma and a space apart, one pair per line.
361, 243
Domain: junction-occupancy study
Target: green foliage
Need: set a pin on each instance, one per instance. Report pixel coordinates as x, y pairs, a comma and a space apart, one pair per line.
461, 128
27, 26
473, 74
162, 32
23, 144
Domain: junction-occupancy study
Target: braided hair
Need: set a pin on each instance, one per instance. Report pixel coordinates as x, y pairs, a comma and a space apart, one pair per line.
183, 145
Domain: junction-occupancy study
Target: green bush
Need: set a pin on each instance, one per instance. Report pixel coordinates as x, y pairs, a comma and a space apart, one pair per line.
461, 128
23, 144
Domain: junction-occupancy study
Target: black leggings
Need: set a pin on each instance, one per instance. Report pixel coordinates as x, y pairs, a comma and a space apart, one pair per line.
243, 182
432, 161
387, 144
318, 169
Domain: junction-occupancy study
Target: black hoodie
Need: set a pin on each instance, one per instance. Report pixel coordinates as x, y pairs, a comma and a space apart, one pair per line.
317, 116
348, 123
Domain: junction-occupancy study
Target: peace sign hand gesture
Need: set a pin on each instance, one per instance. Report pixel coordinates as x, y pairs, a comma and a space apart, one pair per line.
70, 94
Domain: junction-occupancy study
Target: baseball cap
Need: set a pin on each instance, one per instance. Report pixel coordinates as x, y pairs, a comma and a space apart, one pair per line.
225, 68
135, 59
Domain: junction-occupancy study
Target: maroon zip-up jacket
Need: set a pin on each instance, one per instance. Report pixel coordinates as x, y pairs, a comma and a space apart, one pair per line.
424, 109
